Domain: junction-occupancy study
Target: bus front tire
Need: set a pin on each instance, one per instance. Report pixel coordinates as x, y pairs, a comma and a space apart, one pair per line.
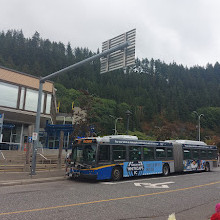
166, 170
116, 173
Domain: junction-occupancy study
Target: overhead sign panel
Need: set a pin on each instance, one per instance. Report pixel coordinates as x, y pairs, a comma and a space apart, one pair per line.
121, 58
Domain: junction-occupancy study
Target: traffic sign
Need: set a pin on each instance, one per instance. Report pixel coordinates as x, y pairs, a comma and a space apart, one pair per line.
34, 136
121, 58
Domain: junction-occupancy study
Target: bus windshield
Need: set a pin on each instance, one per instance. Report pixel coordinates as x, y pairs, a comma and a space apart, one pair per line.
84, 153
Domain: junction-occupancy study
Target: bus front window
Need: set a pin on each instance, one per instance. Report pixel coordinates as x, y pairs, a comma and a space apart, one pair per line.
89, 153
84, 153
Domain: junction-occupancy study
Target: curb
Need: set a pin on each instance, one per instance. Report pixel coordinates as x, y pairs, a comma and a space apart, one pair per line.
31, 181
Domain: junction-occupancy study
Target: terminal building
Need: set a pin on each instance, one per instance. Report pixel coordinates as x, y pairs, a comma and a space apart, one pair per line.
18, 103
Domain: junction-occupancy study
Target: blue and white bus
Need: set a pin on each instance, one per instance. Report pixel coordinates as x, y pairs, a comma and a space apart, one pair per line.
115, 157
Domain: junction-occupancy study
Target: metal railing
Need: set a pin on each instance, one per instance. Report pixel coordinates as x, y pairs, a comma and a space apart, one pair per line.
43, 157
3, 156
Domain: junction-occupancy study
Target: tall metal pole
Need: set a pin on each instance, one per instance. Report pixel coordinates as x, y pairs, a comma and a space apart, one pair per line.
37, 129
116, 120
128, 113
42, 80
199, 116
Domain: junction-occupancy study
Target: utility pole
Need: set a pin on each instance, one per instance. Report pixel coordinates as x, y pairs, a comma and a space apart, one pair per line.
199, 116
128, 113
42, 81
116, 120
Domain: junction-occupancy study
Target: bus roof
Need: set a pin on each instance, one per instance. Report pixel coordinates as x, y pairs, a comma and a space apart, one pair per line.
187, 142
124, 137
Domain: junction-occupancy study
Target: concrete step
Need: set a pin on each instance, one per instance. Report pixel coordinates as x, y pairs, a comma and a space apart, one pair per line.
21, 168
12, 168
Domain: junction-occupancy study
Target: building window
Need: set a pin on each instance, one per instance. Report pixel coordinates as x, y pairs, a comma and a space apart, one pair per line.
32, 100
9, 95
22, 98
48, 104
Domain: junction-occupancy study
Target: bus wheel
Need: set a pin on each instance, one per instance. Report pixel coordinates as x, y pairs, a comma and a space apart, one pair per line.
166, 170
207, 167
116, 173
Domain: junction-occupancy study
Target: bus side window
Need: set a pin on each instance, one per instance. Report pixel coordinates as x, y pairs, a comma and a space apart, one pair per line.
186, 154
104, 153
134, 153
195, 154
203, 154
118, 153
169, 152
210, 154
148, 153
160, 152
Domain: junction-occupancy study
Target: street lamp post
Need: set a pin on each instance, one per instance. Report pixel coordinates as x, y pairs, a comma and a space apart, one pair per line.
116, 120
199, 116
128, 113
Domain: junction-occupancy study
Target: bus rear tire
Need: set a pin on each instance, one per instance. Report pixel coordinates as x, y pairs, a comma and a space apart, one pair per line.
166, 170
207, 167
116, 173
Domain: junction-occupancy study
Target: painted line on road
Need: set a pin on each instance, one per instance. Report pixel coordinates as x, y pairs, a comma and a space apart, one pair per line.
145, 179
108, 200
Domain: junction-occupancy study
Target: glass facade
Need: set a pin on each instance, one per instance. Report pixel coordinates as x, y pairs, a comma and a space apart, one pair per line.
9, 98
29, 99
32, 100
22, 98
9, 95
48, 104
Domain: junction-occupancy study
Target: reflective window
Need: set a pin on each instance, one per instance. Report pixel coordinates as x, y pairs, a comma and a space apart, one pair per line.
104, 153
195, 154
134, 153
22, 98
9, 95
211, 154
160, 152
169, 152
186, 154
48, 104
148, 153
119, 152
32, 100
203, 154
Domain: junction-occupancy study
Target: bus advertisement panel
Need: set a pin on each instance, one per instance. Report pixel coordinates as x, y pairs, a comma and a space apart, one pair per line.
140, 168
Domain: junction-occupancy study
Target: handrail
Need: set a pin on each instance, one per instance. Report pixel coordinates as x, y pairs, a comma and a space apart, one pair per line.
3, 156
45, 159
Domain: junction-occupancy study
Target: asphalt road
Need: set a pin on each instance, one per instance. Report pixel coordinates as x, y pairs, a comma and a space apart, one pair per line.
190, 196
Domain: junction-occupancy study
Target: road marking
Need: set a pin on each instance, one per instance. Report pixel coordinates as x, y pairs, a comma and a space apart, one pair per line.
131, 181
147, 179
108, 200
154, 185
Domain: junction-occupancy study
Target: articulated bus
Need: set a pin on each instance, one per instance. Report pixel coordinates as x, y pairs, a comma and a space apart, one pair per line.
114, 157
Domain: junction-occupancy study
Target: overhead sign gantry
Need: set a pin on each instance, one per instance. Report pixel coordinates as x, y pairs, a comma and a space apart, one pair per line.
117, 53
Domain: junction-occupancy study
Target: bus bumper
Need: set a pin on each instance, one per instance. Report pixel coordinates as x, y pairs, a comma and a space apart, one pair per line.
82, 174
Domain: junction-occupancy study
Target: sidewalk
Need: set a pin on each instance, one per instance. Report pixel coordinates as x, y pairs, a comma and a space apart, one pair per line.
22, 178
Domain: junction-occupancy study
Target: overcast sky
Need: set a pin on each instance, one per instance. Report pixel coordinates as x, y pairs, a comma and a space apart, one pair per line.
186, 32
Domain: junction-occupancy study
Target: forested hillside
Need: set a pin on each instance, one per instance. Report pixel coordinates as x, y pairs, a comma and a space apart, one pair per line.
162, 97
